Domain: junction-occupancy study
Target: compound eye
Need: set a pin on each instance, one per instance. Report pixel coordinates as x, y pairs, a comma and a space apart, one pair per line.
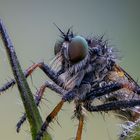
78, 49
57, 47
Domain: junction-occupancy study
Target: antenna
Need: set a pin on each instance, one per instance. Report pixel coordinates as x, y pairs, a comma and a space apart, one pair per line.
59, 30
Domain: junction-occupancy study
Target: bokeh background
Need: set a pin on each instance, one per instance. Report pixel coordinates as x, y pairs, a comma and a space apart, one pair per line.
30, 25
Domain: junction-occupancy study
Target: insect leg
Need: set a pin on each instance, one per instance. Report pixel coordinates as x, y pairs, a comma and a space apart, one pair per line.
67, 97
49, 119
79, 115
51, 85
116, 105
80, 128
38, 98
44, 67
101, 91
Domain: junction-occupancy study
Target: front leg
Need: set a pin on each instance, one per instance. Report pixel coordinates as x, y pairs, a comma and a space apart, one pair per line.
44, 67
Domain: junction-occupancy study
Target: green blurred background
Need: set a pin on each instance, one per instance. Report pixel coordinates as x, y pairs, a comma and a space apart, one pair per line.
30, 25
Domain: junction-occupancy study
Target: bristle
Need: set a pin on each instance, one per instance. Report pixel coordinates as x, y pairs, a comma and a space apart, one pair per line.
7, 85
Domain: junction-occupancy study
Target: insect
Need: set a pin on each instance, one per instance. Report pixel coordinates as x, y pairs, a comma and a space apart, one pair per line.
84, 70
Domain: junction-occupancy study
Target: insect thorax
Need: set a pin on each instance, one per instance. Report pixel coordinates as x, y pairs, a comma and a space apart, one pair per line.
93, 69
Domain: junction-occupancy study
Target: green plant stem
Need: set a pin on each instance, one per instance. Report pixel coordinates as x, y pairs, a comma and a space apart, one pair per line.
31, 109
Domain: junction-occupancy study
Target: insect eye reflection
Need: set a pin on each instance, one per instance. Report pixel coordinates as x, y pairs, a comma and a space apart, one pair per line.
74, 50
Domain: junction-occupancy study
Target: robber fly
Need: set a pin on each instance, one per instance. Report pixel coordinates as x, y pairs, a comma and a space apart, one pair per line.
84, 70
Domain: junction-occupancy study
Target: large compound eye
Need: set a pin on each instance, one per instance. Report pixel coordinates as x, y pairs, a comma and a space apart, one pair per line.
78, 49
